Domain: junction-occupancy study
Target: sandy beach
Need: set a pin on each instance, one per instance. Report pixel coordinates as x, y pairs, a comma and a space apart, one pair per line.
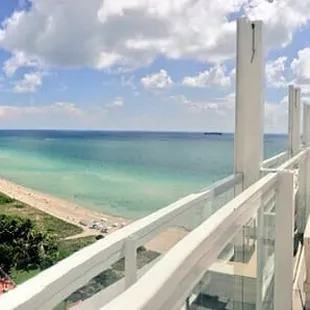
74, 214
59, 208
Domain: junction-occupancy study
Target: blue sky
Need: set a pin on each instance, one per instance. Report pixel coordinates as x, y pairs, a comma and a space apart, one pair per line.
142, 65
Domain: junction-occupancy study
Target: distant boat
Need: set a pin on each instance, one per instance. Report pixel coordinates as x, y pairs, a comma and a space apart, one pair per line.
213, 133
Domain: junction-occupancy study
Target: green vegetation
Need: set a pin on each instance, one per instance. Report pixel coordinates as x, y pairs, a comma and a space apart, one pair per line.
31, 240
58, 227
5, 199
20, 276
69, 246
44, 221
23, 246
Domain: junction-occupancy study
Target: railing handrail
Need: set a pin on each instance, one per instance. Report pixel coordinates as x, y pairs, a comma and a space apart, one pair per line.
294, 160
289, 163
56, 283
270, 162
204, 243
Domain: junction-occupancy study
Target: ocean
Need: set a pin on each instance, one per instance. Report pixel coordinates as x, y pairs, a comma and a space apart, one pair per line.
127, 174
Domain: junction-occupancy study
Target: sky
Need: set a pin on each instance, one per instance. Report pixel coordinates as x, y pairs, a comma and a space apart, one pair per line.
143, 64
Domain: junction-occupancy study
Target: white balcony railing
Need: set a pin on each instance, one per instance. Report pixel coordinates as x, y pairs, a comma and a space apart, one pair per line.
55, 284
169, 284
172, 280
276, 160
187, 262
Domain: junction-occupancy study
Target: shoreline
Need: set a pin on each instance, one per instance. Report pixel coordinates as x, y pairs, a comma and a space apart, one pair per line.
60, 208
74, 214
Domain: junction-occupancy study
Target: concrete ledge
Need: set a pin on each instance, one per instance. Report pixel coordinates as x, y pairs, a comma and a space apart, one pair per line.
299, 296
306, 286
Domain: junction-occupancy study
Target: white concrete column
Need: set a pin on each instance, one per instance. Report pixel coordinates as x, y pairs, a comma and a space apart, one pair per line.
302, 199
306, 125
294, 120
307, 186
248, 151
306, 143
301, 196
284, 241
307, 263
249, 101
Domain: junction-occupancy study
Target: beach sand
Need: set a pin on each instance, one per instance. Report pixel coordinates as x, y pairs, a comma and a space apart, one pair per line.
73, 214
57, 207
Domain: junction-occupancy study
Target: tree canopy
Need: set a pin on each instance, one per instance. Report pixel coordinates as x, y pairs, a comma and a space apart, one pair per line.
23, 246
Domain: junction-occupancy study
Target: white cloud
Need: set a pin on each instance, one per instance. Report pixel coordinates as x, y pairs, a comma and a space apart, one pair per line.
281, 18
22, 4
215, 76
67, 115
219, 114
301, 69
220, 106
118, 102
305, 99
276, 117
58, 115
1, 80
128, 33
188, 114
275, 73
131, 33
232, 73
63, 107
16, 61
29, 83
63, 87
158, 80
128, 82
201, 115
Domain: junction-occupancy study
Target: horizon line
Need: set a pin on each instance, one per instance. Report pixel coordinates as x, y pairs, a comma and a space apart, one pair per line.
127, 130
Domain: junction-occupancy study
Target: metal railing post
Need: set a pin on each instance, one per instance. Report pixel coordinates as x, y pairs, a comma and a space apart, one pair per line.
130, 262
284, 241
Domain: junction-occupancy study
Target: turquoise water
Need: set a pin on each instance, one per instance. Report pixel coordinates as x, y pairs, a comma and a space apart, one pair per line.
129, 174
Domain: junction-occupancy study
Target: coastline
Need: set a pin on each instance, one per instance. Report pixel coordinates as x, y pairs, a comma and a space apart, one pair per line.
74, 214
60, 208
